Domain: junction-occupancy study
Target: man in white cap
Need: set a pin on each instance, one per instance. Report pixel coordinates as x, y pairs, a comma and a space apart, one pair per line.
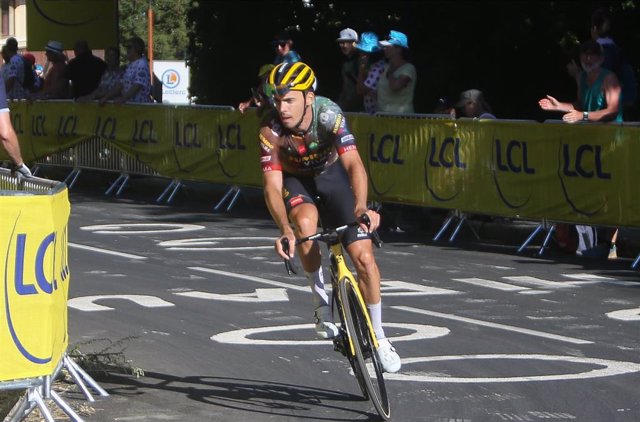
349, 99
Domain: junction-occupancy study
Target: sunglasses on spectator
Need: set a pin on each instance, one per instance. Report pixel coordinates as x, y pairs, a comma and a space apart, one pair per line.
280, 43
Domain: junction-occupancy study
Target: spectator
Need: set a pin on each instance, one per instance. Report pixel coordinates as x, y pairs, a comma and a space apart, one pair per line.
135, 86
258, 96
370, 67
84, 70
8, 137
472, 104
284, 54
111, 76
444, 106
598, 90
397, 84
13, 71
349, 99
30, 61
55, 85
614, 60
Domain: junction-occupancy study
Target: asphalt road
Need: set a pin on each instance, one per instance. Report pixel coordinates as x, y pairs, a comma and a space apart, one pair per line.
200, 302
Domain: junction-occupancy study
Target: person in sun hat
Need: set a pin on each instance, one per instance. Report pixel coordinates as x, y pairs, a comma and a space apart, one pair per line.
370, 67
396, 86
473, 104
349, 99
257, 94
55, 86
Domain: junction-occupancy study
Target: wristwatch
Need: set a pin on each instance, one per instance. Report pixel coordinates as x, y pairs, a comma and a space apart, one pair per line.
585, 115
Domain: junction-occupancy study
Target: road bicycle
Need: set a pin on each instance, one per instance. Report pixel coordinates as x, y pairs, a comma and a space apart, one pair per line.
356, 339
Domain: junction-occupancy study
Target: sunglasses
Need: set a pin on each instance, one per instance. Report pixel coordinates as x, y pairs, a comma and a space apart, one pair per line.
273, 91
280, 43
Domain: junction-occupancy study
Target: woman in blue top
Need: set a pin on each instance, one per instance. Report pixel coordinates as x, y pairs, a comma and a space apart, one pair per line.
598, 91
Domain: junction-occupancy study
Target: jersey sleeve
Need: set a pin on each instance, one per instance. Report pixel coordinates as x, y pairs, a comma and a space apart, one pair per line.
343, 138
269, 159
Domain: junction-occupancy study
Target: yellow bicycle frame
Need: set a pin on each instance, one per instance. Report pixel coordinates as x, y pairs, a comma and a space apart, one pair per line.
344, 272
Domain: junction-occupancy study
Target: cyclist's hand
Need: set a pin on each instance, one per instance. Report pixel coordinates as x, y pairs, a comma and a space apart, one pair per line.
373, 223
285, 245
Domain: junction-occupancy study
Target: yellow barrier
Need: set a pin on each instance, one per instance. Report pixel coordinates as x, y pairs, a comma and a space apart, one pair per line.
35, 280
576, 173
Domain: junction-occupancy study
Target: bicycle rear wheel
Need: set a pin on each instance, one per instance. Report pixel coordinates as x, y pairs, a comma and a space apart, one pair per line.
361, 336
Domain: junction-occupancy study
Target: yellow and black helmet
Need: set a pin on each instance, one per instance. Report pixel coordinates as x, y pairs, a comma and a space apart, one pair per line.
287, 77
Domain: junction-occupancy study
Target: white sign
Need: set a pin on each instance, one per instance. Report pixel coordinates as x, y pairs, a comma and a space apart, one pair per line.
174, 75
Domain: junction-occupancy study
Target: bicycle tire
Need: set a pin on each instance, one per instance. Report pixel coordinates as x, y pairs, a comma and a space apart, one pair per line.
341, 344
358, 330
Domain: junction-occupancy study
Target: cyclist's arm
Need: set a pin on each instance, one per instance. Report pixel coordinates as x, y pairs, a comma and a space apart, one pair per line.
272, 181
359, 185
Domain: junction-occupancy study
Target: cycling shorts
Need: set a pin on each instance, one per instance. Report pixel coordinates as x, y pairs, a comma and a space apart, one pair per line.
330, 191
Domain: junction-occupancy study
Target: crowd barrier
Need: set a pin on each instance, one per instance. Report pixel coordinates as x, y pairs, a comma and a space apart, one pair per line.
545, 172
35, 275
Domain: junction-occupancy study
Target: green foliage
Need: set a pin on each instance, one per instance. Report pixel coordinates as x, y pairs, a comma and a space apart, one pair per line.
170, 37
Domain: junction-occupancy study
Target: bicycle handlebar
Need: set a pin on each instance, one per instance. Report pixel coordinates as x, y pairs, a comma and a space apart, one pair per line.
327, 236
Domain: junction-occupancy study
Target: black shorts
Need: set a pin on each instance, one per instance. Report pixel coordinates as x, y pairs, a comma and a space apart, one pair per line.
330, 191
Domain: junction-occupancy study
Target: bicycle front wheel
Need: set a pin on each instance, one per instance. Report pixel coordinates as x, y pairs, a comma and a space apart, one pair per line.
362, 338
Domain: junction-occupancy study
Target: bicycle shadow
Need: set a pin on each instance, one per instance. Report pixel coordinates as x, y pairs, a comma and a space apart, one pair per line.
247, 395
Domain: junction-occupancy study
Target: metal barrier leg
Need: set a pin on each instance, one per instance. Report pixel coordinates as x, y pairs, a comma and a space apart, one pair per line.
232, 190
636, 262
24, 407
122, 185
71, 179
77, 379
444, 227
234, 199
173, 187
115, 184
531, 237
547, 239
69, 363
457, 229
34, 396
35, 170
65, 407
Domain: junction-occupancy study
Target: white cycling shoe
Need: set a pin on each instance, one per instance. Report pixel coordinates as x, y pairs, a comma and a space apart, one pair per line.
325, 328
388, 356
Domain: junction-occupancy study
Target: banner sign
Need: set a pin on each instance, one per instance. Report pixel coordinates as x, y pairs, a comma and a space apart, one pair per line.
68, 21
34, 283
174, 76
578, 173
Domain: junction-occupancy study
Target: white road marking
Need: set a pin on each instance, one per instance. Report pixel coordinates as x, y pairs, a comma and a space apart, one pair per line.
413, 289
592, 279
105, 251
252, 278
609, 368
494, 325
539, 282
490, 284
86, 303
210, 243
421, 332
148, 228
625, 314
260, 295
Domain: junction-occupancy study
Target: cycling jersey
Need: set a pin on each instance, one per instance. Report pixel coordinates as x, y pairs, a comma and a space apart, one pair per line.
309, 153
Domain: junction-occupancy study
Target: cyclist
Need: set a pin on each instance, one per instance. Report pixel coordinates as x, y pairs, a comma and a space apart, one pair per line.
311, 170
8, 136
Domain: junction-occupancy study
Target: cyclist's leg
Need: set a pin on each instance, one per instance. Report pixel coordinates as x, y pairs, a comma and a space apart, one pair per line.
303, 214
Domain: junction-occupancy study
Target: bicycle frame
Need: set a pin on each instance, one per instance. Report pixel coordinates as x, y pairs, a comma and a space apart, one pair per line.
340, 271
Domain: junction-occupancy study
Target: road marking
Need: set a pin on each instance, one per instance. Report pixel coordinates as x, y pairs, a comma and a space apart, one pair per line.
252, 278
420, 332
260, 295
481, 282
413, 289
86, 303
149, 228
539, 282
610, 368
592, 279
105, 251
625, 314
494, 325
210, 243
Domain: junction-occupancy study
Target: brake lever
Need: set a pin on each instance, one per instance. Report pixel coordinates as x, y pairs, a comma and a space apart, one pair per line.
288, 263
375, 237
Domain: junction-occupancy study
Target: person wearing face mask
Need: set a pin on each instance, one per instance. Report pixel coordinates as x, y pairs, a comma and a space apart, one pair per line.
598, 91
